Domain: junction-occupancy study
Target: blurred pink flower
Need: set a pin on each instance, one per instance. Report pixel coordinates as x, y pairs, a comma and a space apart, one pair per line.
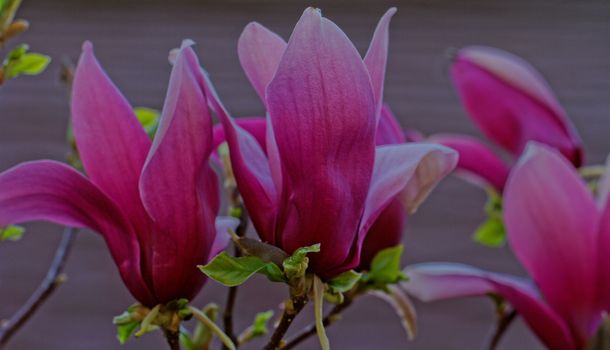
155, 203
322, 179
512, 104
560, 236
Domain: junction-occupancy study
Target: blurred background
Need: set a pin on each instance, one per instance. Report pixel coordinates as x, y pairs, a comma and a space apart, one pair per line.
566, 40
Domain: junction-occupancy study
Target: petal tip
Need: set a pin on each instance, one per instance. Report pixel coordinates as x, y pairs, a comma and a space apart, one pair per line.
187, 43
87, 47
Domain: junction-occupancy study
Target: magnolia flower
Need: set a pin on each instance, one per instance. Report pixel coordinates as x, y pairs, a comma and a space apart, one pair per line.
322, 178
512, 104
560, 236
155, 203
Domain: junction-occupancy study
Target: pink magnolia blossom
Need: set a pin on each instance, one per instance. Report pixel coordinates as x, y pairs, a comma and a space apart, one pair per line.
155, 203
322, 179
560, 235
512, 104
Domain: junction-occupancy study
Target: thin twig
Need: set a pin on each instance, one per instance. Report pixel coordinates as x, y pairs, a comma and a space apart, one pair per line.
292, 308
227, 315
173, 339
52, 280
328, 320
501, 327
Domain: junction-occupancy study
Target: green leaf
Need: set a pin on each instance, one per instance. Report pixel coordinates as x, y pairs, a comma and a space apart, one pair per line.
17, 53
11, 233
296, 265
20, 63
232, 271
126, 330
385, 267
185, 339
491, 233
344, 281
149, 118
259, 327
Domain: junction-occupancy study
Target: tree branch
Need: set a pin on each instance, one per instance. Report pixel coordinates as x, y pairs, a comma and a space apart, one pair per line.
292, 308
310, 330
502, 325
52, 280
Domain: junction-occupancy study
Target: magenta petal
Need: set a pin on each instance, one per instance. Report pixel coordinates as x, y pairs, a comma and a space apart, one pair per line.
224, 224
177, 186
52, 191
385, 232
250, 167
111, 142
377, 56
260, 51
478, 163
255, 126
407, 172
551, 221
388, 130
323, 113
511, 103
438, 281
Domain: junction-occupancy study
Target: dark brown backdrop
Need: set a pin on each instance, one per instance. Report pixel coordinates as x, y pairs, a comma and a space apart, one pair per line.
566, 40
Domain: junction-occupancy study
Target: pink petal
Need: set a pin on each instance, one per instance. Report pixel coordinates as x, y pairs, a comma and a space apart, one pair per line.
260, 51
478, 163
255, 126
224, 225
388, 130
111, 142
323, 115
552, 222
178, 189
377, 56
250, 167
407, 172
438, 281
511, 103
603, 204
385, 232
52, 191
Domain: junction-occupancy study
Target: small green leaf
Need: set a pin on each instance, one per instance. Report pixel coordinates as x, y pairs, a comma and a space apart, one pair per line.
11, 233
232, 271
17, 53
344, 281
149, 118
296, 265
385, 267
185, 339
491, 233
260, 323
126, 330
28, 64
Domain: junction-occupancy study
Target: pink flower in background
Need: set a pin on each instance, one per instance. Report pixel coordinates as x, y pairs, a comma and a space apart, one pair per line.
155, 203
322, 179
560, 235
512, 104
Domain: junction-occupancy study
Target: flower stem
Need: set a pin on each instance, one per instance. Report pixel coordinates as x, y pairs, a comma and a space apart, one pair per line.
292, 308
329, 319
52, 280
501, 327
173, 339
203, 318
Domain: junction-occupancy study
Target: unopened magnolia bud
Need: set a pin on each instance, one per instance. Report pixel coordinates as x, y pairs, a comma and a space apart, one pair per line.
17, 27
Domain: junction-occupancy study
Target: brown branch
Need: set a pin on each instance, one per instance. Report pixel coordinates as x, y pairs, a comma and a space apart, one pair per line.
328, 320
502, 325
227, 315
52, 280
292, 308
173, 339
